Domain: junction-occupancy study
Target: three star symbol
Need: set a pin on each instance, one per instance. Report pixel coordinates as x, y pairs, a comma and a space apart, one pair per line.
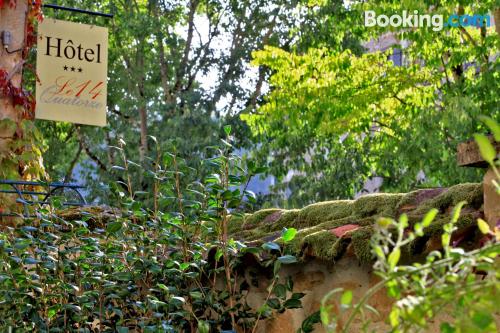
72, 68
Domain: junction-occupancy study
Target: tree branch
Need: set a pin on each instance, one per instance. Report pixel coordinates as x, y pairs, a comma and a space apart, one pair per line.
252, 103
465, 33
182, 66
72, 165
91, 155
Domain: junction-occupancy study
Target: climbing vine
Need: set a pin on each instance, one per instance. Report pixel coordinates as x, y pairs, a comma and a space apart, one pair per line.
22, 158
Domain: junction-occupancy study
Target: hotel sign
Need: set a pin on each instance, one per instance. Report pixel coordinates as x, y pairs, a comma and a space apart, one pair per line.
72, 60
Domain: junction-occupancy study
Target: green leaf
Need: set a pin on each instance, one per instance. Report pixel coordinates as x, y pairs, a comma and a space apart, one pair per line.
429, 217
72, 307
292, 303
277, 267
309, 322
177, 299
298, 295
22, 244
123, 276
485, 147
493, 125
482, 319
287, 259
218, 254
114, 227
271, 246
29, 229
280, 291
346, 298
384, 222
325, 311
203, 326
163, 287
227, 129
447, 328
289, 234
379, 252
117, 167
196, 295
394, 258
403, 220
289, 283
456, 211
52, 311
483, 226
394, 317
274, 303
31, 261
445, 240
419, 230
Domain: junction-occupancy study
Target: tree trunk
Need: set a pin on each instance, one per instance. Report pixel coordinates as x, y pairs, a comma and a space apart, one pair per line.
12, 20
496, 17
143, 148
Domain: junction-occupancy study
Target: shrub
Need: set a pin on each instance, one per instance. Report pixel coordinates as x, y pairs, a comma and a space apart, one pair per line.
168, 268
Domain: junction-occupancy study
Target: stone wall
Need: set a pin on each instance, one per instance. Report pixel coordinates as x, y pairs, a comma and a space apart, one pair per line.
316, 278
333, 248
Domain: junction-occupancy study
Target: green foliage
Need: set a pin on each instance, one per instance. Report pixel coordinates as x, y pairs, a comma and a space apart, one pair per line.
457, 287
336, 117
169, 268
178, 70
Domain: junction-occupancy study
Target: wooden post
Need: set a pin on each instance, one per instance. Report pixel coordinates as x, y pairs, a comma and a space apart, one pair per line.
468, 155
496, 17
12, 30
13, 22
491, 199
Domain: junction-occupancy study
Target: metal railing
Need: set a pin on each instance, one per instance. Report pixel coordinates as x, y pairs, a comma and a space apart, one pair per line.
40, 194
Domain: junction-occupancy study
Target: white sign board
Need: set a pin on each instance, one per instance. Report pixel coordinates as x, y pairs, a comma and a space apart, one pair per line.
72, 61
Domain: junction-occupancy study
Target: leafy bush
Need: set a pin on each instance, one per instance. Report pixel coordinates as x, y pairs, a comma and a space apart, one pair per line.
165, 269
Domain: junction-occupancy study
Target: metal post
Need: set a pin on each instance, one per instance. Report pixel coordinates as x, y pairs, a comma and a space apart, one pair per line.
76, 10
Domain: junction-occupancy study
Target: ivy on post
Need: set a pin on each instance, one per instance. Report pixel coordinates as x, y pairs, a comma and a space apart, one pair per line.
19, 155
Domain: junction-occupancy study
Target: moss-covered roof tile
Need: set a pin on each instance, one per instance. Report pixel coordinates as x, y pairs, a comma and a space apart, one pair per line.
316, 223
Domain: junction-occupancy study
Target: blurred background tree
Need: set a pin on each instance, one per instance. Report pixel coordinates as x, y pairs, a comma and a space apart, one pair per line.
338, 118
314, 105
179, 71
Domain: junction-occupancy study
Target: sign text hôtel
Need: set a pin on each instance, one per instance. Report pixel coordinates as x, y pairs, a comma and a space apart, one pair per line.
68, 50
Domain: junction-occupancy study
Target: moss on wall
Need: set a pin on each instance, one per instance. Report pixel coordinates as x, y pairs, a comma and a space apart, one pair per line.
383, 204
324, 211
470, 193
316, 222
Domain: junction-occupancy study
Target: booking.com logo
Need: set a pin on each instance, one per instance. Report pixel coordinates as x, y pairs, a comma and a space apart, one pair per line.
416, 20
